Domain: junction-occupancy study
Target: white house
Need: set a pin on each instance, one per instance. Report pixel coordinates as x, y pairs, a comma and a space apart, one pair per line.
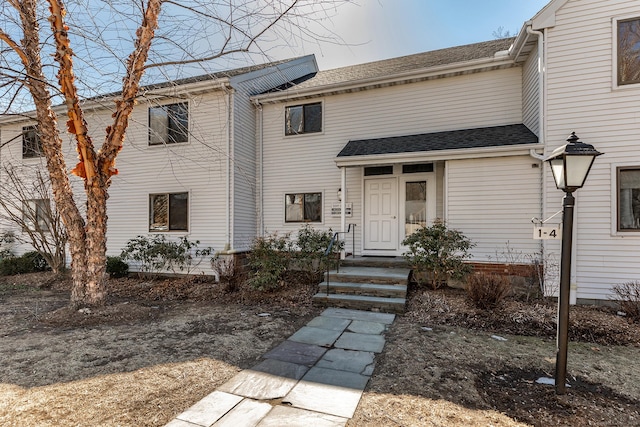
188, 163
458, 134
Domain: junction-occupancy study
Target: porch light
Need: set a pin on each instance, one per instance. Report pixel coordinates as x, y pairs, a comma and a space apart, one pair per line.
570, 165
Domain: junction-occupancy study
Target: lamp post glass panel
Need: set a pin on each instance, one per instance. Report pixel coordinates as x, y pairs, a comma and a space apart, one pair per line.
570, 165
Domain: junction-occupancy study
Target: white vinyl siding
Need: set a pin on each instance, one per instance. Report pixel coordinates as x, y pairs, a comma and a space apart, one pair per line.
492, 201
583, 97
303, 165
196, 168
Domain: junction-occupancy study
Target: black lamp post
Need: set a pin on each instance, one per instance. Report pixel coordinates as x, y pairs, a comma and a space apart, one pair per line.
570, 165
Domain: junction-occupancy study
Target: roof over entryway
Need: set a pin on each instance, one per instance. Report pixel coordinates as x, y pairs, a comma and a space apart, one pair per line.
490, 141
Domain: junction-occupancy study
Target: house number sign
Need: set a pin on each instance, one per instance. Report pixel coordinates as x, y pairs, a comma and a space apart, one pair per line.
547, 233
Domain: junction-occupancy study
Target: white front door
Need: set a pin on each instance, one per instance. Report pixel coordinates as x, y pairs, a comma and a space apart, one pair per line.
381, 214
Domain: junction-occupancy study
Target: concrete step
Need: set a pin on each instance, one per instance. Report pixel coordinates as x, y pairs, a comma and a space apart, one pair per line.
377, 275
369, 289
375, 261
360, 302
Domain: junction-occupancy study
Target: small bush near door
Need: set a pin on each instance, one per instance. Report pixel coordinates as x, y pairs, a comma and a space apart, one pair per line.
437, 254
278, 259
628, 296
487, 291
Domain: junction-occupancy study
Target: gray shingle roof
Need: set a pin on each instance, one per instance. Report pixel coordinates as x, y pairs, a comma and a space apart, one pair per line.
408, 63
495, 136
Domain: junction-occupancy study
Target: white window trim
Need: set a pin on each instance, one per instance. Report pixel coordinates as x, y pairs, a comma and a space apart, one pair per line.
189, 210
189, 125
631, 234
297, 224
304, 134
614, 53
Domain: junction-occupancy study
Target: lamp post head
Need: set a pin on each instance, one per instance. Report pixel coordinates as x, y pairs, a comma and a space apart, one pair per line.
571, 163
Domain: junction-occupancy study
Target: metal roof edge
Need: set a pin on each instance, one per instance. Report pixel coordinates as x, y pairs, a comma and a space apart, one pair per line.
475, 64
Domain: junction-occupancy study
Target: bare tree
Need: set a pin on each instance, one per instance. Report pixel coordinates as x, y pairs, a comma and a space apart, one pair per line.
27, 204
189, 32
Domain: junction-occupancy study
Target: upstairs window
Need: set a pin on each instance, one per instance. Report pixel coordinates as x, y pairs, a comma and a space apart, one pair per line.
303, 207
628, 37
36, 214
169, 212
169, 124
303, 119
31, 144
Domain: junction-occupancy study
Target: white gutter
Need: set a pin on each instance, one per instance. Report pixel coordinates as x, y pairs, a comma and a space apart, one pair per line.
428, 156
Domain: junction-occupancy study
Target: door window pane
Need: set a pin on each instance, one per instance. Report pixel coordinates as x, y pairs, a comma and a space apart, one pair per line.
629, 199
415, 206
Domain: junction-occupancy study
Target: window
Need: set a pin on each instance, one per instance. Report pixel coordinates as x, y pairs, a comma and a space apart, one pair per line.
169, 124
303, 119
378, 170
415, 207
417, 168
168, 212
303, 207
628, 37
36, 214
31, 144
628, 199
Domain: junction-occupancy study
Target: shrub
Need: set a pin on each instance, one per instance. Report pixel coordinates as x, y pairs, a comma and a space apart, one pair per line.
29, 262
439, 251
273, 257
157, 254
487, 291
269, 260
628, 296
311, 257
116, 267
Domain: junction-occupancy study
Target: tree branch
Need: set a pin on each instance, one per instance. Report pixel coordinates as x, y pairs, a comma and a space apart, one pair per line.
76, 124
131, 84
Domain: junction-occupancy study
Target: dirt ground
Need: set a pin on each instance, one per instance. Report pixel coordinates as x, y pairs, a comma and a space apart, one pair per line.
160, 346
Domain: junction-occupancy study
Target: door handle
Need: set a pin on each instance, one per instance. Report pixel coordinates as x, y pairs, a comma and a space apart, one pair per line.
393, 217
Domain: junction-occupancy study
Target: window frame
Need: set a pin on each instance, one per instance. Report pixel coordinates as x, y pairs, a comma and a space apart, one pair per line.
40, 221
303, 120
31, 143
617, 228
616, 80
171, 118
304, 195
168, 228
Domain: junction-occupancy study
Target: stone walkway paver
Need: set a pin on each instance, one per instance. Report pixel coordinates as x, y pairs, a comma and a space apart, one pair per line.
315, 378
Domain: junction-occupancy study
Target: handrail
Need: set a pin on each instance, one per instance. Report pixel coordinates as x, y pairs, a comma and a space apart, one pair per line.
330, 247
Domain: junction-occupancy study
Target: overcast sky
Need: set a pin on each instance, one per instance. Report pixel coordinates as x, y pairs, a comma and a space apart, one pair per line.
381, 29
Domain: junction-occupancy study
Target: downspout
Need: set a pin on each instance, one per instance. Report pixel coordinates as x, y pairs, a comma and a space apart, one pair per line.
229, 92
260, 158
542, 102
